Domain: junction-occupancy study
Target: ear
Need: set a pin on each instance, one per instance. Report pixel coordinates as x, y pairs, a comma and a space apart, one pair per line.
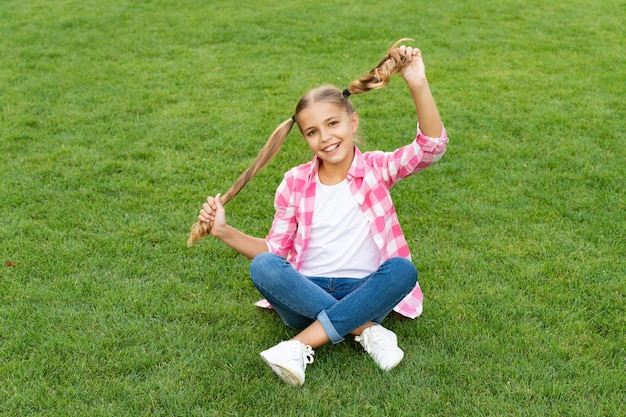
355, 122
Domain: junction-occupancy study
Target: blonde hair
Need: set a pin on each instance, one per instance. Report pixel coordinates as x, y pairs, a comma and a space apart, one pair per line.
377, 78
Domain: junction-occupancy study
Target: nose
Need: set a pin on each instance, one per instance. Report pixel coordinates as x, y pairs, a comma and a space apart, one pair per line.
325, 135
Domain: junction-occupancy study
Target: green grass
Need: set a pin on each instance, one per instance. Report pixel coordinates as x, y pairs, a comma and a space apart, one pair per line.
118, 118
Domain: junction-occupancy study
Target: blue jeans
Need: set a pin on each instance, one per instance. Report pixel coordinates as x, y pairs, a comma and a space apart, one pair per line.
340, 304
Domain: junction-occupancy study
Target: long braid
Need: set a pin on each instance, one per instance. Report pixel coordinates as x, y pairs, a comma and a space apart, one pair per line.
379, 76
201, 229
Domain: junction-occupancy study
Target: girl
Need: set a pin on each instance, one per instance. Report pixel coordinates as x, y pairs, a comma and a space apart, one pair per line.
335, 261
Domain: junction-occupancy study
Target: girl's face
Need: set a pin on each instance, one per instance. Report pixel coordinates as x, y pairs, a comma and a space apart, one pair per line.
329, 130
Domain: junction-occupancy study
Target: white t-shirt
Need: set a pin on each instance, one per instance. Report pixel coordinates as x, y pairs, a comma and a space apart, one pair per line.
341, 244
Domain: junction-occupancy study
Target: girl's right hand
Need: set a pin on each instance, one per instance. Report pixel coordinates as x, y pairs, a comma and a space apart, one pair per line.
213, 212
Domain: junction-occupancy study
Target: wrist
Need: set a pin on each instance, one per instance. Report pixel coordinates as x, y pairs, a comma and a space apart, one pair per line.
417, 83
219, 231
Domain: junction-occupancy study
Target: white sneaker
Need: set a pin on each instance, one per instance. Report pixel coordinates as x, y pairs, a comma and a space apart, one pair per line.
382, 345
288, 360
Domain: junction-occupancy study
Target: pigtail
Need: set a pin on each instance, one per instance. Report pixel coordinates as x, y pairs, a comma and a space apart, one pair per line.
201, 229
381, 74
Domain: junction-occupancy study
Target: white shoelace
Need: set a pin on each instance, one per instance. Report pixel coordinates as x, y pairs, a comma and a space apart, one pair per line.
307, 354
373, 340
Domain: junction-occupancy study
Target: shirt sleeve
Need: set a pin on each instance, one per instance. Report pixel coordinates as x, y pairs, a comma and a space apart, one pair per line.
281, 236
423, 152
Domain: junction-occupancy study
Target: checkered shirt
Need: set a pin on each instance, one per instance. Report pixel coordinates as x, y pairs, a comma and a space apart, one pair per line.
371, 176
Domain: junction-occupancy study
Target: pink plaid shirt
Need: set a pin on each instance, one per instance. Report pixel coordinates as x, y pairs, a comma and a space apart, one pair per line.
371, 176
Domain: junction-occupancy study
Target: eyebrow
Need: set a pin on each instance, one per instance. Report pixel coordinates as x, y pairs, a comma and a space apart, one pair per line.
326, 120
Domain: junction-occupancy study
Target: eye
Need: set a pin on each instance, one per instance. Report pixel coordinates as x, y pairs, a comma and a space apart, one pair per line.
311, 132
333, 123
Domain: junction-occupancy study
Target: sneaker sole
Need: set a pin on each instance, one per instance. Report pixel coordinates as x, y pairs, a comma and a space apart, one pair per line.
285, 374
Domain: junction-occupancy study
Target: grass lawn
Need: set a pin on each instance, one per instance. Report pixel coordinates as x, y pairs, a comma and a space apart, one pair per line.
118, 118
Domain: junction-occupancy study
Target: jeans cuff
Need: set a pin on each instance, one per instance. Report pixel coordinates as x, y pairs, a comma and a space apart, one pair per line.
329, 328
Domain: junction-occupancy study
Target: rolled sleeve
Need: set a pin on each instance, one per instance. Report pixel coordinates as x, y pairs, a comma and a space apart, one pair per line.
431, 145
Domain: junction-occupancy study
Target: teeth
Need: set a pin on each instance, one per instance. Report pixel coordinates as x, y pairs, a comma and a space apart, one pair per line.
331, 148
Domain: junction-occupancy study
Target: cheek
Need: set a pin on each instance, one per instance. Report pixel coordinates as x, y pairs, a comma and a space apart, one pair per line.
311, 143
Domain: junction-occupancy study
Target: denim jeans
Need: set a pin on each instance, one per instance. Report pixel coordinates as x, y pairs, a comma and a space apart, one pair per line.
340, 304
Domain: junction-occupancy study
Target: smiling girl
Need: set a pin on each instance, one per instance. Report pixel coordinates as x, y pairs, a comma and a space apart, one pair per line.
336, 261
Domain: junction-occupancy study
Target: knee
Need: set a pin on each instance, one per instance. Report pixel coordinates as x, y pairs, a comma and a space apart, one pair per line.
404, 271
261, 260
262, 266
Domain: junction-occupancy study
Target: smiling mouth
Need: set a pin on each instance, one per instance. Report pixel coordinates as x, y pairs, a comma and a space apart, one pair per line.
331, 148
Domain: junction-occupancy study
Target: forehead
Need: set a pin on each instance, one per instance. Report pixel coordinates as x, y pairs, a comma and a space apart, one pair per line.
319, 112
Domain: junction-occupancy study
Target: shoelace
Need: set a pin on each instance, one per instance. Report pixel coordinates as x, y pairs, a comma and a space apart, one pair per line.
371, 341
307, 354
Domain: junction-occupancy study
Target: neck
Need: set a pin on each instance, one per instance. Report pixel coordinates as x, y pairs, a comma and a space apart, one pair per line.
331, 174
331, 178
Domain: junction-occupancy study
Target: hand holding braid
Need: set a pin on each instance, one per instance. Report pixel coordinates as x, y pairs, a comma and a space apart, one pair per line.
377, 78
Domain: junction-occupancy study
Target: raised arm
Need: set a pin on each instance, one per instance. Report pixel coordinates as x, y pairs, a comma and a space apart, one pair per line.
415, 76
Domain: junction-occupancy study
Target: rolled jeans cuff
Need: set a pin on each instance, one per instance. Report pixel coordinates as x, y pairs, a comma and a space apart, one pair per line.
329, 328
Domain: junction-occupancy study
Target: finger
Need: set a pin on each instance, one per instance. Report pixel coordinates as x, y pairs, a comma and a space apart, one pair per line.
218, 201
212, 203
206, 212
205, 217
207, 208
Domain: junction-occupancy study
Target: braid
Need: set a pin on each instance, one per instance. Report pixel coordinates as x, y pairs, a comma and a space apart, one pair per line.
381, 74
201, 229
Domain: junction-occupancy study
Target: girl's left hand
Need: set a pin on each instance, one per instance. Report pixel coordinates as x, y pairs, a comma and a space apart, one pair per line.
415, 70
